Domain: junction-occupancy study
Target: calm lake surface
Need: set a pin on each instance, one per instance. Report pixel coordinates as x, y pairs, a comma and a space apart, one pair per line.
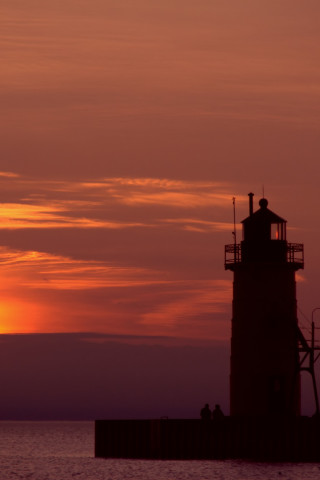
65, 450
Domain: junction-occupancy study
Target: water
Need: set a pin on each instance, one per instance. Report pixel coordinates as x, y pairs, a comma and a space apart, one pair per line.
65, 450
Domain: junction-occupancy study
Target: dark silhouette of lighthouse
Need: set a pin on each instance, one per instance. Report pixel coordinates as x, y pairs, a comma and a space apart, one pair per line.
265, 375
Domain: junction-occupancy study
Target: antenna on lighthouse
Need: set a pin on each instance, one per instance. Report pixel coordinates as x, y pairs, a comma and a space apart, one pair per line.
234, 233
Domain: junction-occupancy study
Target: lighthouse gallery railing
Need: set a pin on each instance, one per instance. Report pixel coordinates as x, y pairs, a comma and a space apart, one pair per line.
233, 254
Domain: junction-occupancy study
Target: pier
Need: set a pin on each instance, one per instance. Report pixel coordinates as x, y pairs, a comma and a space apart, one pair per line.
259, 439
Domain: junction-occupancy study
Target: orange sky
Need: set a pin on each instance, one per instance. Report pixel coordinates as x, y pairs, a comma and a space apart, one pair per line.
126, 129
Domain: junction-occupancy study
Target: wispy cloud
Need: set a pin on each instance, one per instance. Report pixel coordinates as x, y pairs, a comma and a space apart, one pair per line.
20, 218
40, 270
201, 225
175, 199
23, 215
199, 308
165, 192
9, 175
209, 297
47, 292
109, 203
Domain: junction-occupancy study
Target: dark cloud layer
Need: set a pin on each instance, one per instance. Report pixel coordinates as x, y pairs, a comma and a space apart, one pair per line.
81, 376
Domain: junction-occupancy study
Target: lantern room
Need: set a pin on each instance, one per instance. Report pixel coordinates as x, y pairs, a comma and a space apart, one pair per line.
264, 225
264, 239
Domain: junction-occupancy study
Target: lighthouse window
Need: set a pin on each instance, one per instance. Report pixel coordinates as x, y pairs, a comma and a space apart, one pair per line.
275, 231
278, 231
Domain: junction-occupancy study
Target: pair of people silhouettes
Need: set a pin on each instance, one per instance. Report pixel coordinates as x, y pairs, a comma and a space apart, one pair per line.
216, 414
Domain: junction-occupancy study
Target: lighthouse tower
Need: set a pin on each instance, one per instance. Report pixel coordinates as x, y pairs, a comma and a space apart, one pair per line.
265, 378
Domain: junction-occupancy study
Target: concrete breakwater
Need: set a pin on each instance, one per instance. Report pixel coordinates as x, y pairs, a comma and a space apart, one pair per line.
263, 439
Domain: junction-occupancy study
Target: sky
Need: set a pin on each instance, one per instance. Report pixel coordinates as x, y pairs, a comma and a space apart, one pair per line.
127, 127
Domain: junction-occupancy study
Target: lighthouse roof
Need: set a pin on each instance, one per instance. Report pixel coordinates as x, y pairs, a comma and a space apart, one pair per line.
263, 215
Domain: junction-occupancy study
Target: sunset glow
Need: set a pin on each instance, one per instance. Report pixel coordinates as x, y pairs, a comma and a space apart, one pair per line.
20, 316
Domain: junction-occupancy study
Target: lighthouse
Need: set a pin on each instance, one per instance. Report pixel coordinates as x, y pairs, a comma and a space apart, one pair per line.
264, 374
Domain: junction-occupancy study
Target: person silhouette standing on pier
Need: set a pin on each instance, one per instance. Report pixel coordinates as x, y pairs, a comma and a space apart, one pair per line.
217, 413
205, 412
